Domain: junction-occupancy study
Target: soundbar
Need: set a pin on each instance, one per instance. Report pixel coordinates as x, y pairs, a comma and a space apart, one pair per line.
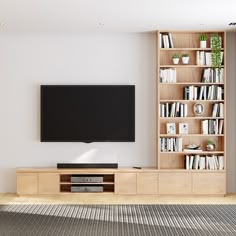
86, 165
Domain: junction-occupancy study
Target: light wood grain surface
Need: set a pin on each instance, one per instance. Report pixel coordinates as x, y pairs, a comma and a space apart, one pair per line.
11, 198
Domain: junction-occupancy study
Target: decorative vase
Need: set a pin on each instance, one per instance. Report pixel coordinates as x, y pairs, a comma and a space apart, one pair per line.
203, 44
210, 147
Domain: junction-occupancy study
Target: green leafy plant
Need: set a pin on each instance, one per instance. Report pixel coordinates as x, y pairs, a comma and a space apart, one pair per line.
185, 55
176, 55
203, 37
210, 142
216, 51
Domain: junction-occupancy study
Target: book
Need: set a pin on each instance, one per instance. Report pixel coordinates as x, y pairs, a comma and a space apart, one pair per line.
191, 162
204, 126
221, 162
187, 162
170, 40
202, 163
221, 123
196, 162
160, 41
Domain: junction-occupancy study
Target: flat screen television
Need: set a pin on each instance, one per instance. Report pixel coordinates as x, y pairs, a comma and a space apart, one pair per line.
87, 113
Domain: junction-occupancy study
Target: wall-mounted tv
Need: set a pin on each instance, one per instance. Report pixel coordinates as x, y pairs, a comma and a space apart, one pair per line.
87, 113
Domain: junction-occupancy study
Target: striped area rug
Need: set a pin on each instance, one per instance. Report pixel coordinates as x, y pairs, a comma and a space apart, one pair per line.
117, 220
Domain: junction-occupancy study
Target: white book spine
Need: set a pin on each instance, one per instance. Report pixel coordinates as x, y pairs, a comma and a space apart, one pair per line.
221, 162
187, 162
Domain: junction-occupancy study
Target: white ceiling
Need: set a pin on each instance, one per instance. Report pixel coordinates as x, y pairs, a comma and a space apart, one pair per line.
115, 15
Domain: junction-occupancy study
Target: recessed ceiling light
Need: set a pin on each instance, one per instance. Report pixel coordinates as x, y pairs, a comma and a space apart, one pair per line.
232, 23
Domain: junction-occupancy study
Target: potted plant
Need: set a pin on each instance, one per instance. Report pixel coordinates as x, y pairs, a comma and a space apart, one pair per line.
203, 41
210, 145
176, 58
216, 56
185, 58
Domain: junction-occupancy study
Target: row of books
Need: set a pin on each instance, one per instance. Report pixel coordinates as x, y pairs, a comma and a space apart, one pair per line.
204, 92
218, 110
168, 75
175, 109
212, 126
205, 58
210, 75
171, 144
212, 162
166, 40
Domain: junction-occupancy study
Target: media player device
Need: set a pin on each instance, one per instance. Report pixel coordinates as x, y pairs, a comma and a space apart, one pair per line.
78, 189
86, 179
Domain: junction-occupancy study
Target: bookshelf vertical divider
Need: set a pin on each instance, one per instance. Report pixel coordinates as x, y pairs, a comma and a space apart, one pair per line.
182, 91
158, 99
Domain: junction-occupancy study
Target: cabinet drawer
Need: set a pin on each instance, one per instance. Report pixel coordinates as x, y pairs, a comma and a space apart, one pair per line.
125, 183
209, 183
48, 183
147, 183
175, 183
27, 183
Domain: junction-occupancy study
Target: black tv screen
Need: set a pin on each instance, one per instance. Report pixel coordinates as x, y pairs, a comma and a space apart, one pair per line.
87, 113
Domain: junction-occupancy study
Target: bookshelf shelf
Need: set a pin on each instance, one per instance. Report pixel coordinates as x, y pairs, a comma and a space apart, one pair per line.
203, 152
187, 49
190, 83
104, 183
192, 171
184, 101
179, 88
191, 118
189, 135
183, 66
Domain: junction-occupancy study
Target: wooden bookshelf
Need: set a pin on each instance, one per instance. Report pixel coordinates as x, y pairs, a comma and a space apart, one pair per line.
174, 178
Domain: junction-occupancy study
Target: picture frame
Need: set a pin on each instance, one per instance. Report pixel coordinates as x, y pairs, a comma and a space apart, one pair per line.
183, 128
198, 109
170, 128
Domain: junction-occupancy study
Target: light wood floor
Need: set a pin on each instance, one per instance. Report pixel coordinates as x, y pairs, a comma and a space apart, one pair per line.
10, 198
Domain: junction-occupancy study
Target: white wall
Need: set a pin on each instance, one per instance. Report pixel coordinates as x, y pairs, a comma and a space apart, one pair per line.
26, 61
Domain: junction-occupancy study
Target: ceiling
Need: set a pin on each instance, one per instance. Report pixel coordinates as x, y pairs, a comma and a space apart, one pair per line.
115, 15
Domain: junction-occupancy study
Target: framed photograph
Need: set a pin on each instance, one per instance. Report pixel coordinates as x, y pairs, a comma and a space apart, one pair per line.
198, 109
183, 128
171, 128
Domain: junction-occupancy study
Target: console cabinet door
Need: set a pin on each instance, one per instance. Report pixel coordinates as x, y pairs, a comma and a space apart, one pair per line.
27, 183
147, 183
49, 183
209, 183
125, 183
175, 183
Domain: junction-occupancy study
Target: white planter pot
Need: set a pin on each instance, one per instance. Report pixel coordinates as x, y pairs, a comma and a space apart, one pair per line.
185, 60
203, 44
176, 61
